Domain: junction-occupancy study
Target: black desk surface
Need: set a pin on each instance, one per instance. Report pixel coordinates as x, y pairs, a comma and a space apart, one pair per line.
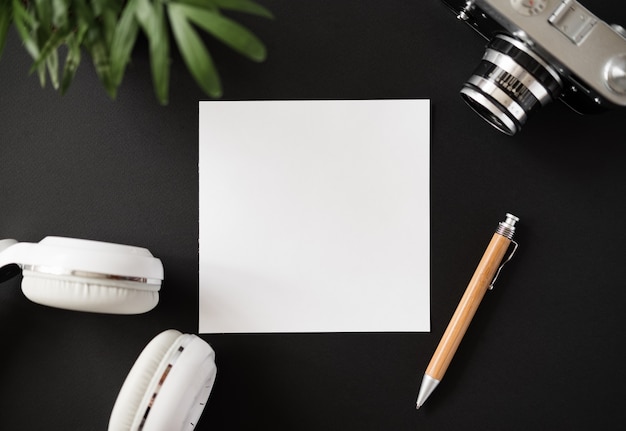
546, 348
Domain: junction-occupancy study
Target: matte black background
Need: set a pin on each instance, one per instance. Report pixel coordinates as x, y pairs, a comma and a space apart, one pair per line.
546, 348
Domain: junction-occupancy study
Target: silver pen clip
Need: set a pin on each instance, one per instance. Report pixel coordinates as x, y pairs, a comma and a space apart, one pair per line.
503, 263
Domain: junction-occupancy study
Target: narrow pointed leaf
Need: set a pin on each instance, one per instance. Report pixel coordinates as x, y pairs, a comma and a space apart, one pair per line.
193, 51
59, 12
202, 4
108, 20
123, 42
102, 64
41, 72
52, 64
228, 31
100, 6
84, 11
6, 12
24, 22
145, 14
71, 62
51, 45
246, 6
44, 16
151, 17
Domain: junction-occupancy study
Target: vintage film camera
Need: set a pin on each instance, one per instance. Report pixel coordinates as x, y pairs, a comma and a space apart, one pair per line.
538, 51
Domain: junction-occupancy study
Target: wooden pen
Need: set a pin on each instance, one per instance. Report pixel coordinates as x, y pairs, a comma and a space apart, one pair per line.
483, 279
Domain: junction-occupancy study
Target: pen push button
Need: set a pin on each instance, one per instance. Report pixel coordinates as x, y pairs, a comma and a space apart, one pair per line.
507, 227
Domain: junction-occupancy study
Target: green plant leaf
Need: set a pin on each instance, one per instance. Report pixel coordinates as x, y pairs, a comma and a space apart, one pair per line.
123, 42
24, 24
59, 12
83, 12
72, 60
146, 15
50, 46
43, 10
69, 70
193, 51
108, 29
99, 7
52, 64
108, 21
203, 4
228, 31
151, 17
51, 32
96, 45
6, 12
246, 6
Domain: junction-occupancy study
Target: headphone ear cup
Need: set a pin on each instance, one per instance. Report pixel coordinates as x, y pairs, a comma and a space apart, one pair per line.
85, 294
167, 387
126, 408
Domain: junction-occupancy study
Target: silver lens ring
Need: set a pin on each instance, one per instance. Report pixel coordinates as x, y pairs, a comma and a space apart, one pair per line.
488, 110
513, 81
509, 65
522, 47
502, 98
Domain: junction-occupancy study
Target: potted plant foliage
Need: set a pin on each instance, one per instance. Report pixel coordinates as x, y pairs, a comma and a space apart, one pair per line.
56, 33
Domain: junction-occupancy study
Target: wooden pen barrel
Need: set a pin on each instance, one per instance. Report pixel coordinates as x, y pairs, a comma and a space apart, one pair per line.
468, 305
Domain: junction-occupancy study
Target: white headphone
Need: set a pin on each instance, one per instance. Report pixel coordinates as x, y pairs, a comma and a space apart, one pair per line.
84, 275
170, 382
168, 387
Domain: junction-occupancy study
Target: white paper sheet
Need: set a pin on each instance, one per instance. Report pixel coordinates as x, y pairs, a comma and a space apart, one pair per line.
314, 216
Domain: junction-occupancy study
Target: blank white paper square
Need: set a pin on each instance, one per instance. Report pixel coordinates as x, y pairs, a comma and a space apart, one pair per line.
314, 216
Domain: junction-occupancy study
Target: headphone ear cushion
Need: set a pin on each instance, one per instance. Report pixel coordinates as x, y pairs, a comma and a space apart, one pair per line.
83, 294
168, 385
136, 384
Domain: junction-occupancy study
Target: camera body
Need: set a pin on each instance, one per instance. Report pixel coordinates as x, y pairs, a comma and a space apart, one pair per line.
538, 51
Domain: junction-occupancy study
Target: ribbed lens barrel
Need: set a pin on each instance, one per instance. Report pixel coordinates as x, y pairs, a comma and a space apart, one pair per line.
510, 82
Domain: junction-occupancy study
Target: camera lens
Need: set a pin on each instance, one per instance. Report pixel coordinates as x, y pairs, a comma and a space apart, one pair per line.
510, 82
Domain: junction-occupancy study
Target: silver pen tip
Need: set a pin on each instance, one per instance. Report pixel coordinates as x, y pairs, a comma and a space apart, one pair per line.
427, 387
